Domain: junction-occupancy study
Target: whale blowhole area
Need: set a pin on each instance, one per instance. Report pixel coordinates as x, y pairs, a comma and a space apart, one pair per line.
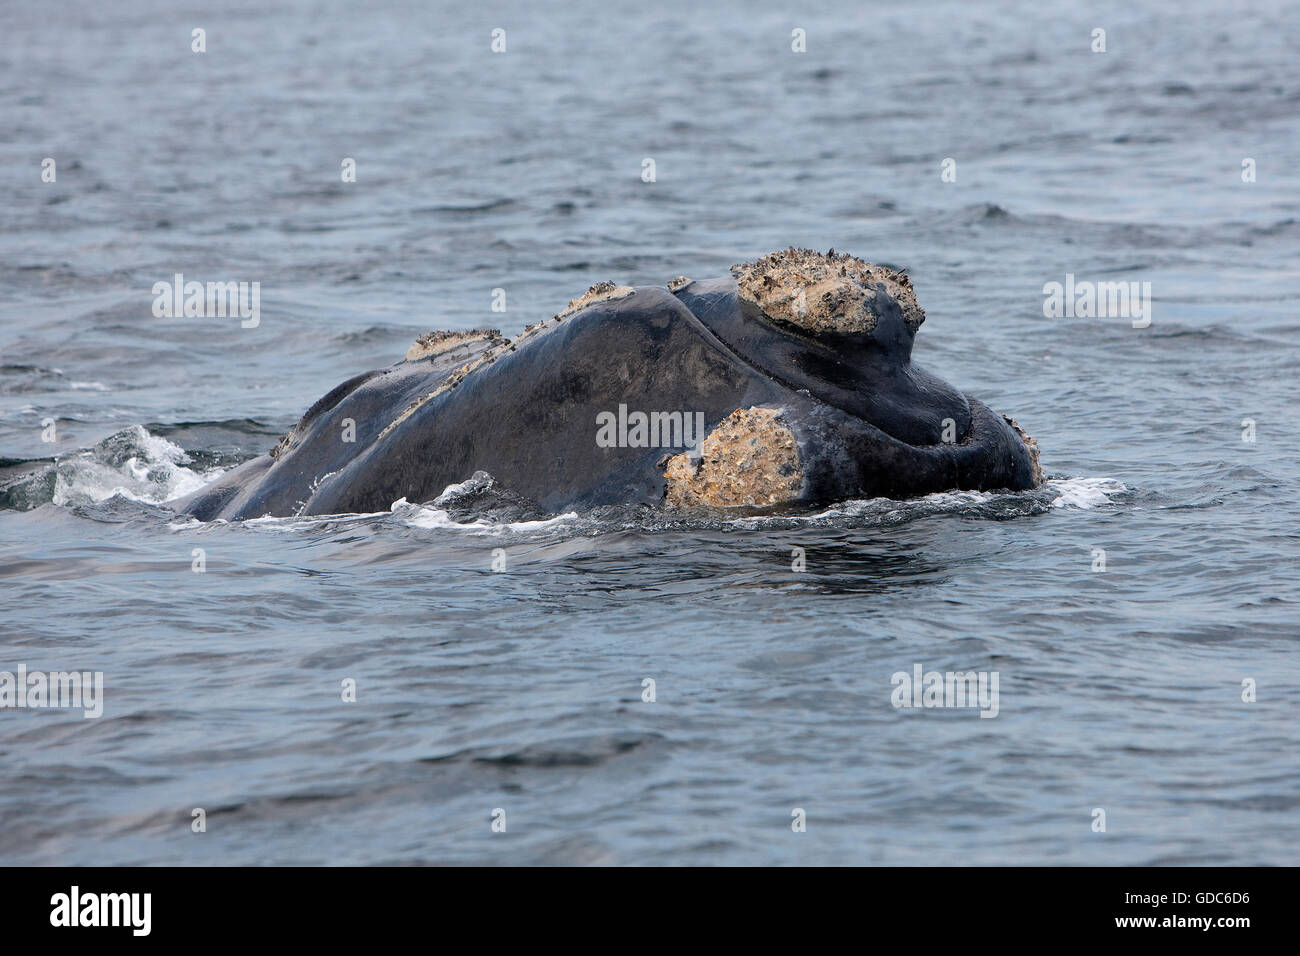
824, 292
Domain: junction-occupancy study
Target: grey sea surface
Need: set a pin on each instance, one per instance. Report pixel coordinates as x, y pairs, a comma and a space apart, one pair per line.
521, 690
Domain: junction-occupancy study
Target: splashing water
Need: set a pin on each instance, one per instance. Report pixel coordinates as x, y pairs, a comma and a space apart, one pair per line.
133, 463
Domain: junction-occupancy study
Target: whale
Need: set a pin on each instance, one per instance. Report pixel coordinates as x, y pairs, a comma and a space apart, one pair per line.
786, 382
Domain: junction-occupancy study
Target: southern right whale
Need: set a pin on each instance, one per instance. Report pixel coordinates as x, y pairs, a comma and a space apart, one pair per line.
788, 381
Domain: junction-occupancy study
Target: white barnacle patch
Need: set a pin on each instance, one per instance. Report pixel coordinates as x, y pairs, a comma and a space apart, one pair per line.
750, 459
824, 292
1032, 446
600, 292
442, 342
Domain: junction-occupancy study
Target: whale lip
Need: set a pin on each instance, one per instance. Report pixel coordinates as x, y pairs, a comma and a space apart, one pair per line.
825, 293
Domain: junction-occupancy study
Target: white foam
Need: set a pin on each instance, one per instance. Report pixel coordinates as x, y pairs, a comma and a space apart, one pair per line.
304, 522
539, 525
1085, 492
418, 516
1069, 493
431, 516
479, 481
157, 472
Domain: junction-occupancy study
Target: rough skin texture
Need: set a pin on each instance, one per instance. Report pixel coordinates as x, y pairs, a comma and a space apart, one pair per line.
823, 292
441, 342
1032, 445
750, 458
597, 293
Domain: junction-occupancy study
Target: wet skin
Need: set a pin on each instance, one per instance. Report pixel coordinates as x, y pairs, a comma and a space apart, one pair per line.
867, 422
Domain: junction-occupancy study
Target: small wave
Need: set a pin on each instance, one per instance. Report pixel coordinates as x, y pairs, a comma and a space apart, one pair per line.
479, 488
1055, 493
23, 379
476, 484
985, 212
487, 508
289, 523
1085, 492
420, 516
477, 506
133, 463
474, 505
443, 513
148, 468
468, 209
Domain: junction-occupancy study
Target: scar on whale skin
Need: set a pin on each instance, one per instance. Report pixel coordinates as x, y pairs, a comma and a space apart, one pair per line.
454, 378
750, 458
823, 292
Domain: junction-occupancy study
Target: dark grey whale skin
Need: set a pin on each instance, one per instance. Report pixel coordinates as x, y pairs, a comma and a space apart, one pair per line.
866, 421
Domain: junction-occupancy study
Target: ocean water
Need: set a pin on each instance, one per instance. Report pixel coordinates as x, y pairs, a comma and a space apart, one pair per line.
522, 690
